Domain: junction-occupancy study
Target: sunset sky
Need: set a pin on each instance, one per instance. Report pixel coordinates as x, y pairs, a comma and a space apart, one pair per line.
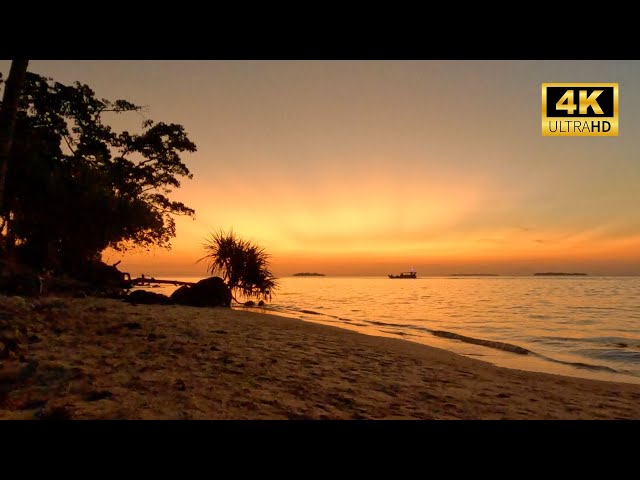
362, 167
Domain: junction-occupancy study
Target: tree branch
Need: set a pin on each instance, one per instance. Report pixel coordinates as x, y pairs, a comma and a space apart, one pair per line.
68, 144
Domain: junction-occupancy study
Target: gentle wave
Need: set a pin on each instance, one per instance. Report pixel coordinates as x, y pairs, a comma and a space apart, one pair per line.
586, 366
502, 346
507, 347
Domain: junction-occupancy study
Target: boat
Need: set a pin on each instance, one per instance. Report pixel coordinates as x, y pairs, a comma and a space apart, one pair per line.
411, 274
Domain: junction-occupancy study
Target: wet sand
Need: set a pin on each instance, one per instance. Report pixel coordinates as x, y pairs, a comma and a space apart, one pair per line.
104, 359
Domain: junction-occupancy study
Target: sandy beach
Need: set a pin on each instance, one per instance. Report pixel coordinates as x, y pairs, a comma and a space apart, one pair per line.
105, 359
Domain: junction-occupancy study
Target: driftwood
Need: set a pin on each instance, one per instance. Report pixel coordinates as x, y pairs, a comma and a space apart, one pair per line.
145, 282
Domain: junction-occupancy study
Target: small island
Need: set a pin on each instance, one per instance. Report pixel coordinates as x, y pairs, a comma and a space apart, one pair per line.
559, 274
307, 274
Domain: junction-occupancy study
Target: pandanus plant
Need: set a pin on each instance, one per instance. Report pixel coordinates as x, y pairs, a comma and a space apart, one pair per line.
242, 264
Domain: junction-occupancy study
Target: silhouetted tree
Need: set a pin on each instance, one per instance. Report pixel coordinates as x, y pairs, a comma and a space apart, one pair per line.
75, 186
243, 265
8, 114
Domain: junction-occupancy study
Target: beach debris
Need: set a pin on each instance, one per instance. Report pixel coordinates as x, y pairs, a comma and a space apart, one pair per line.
147, 298
250, 303
261, 303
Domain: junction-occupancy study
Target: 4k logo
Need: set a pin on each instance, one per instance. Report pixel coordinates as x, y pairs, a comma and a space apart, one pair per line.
580, 109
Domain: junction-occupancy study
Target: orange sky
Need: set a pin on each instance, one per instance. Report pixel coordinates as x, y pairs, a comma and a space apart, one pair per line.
374, 167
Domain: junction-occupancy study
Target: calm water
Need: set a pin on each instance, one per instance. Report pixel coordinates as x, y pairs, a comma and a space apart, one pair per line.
580, 326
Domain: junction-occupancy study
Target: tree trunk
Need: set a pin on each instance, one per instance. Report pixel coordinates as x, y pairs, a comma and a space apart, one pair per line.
8, 113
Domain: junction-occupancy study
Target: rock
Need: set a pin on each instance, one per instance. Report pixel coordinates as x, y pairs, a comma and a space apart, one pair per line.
250, 303
182, 296
147, 298
210, 292
261, 303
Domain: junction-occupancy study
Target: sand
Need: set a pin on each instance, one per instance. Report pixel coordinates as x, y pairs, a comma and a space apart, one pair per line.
104, 359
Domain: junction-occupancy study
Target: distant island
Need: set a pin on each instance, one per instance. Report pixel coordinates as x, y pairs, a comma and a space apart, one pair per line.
560, 273
307, 274
474, 275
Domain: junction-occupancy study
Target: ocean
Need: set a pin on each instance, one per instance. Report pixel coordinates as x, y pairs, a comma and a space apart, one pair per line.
578, 326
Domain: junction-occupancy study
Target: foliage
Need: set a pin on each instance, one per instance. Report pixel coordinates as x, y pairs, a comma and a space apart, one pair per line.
243, 264
75, 186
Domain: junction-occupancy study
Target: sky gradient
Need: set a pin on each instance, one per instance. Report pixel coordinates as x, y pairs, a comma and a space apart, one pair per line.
361, 167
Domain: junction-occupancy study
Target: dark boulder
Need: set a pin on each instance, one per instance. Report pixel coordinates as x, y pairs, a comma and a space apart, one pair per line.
182, 296
250, 303
147, 298
210, 292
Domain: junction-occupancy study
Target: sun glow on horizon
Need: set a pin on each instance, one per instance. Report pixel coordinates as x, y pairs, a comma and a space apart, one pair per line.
361, 167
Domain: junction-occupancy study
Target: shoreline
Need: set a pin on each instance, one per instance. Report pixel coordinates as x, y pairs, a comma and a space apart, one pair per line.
104, 359
476, 348
554, 342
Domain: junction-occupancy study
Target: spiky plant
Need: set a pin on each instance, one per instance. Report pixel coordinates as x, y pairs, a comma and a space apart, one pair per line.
242, 264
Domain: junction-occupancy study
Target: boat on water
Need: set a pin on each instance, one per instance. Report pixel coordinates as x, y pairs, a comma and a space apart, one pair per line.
411, 274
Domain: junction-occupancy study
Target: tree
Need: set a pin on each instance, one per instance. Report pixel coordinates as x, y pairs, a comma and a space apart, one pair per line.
243, 265
8, 114
75, 186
